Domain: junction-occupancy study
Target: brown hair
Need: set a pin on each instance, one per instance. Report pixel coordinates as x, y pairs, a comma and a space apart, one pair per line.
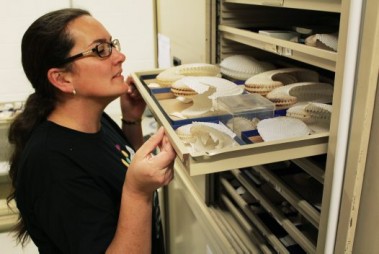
45, 44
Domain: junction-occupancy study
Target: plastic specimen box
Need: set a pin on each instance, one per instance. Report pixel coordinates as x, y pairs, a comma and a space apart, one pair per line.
242, 112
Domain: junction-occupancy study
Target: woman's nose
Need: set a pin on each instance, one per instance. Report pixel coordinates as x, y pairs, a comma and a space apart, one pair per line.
119, 56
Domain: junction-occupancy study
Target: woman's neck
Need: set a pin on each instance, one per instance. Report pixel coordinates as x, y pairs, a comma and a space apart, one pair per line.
78, 117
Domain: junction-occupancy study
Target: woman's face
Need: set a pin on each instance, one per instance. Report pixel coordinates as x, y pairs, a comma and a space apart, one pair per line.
95, 77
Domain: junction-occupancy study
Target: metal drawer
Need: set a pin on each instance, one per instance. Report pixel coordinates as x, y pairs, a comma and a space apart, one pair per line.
228, 158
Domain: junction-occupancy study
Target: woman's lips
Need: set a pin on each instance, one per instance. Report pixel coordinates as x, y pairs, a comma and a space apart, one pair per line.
118, 75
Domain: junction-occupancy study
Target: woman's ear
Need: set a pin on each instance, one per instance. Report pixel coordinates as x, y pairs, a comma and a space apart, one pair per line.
60, 79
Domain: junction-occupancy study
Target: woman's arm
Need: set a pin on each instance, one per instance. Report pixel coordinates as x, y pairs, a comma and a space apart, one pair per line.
147, 173
132, 108
133, 133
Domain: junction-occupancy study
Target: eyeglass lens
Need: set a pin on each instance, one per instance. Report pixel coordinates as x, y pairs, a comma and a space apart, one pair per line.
105, 49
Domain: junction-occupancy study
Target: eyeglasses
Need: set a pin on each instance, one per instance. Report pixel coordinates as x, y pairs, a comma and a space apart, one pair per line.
102, 50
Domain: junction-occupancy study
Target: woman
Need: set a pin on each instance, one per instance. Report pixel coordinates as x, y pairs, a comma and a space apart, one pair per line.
78, 184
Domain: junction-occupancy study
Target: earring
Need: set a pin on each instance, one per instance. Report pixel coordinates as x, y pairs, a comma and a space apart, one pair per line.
74, 92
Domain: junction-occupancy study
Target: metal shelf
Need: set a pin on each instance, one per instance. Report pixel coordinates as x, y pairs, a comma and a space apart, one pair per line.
287, 225
317, 57
317, 5
301, 205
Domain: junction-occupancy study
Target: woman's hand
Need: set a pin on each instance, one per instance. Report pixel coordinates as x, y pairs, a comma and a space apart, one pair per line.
132, 104
148, 172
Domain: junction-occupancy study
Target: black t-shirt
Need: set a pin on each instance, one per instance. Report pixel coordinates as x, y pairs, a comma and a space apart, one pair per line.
69, 188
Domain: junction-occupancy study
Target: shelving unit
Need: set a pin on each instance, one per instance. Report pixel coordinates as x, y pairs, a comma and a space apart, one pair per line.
236, 28
321, 159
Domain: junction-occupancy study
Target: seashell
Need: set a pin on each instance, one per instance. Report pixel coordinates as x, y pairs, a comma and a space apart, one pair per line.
203, 91
170, 75
282, 127
323, 41
211, 137
242, 67
201, 104
315, 115
264, 82
184, 133
288, 95
299, 112
191, 86
239, 124
319, 111
185, 87
204, 136
199, 69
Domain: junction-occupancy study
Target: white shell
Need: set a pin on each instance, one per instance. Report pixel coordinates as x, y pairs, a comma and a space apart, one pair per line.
320, 111
242, 67
282, 127
299, 112
201, 104
190, 86
170, 75
240, 124
264, 82
315, 115
323, 41
288, 95
204, 136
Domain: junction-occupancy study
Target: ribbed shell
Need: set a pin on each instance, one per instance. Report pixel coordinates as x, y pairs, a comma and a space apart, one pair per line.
323, 41
264, 82
190, 86
288, 95
170, 75
242, 67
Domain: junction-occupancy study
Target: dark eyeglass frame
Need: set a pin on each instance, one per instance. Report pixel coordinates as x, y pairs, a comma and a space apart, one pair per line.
102, 50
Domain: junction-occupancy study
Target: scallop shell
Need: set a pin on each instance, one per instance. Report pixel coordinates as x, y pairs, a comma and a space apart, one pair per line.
170, 75
288, 95
190, 86
323, 41
320, 111
264, 82
282, 127
315, 115
242, 67
299, 112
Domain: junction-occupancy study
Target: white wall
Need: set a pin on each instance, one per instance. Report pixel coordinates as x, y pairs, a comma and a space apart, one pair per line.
15, 17
129, 21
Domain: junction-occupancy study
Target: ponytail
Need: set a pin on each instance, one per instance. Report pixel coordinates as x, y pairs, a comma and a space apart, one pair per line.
45, 44
37, 108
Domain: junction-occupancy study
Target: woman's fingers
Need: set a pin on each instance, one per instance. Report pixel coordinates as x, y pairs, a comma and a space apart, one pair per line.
153, 142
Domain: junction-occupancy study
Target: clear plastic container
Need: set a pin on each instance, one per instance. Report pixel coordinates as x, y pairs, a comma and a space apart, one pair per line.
242, 112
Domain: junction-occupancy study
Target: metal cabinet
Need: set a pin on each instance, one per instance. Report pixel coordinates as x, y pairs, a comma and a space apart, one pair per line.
336, 160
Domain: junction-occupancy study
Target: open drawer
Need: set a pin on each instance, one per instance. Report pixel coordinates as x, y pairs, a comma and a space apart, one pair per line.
198, 163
